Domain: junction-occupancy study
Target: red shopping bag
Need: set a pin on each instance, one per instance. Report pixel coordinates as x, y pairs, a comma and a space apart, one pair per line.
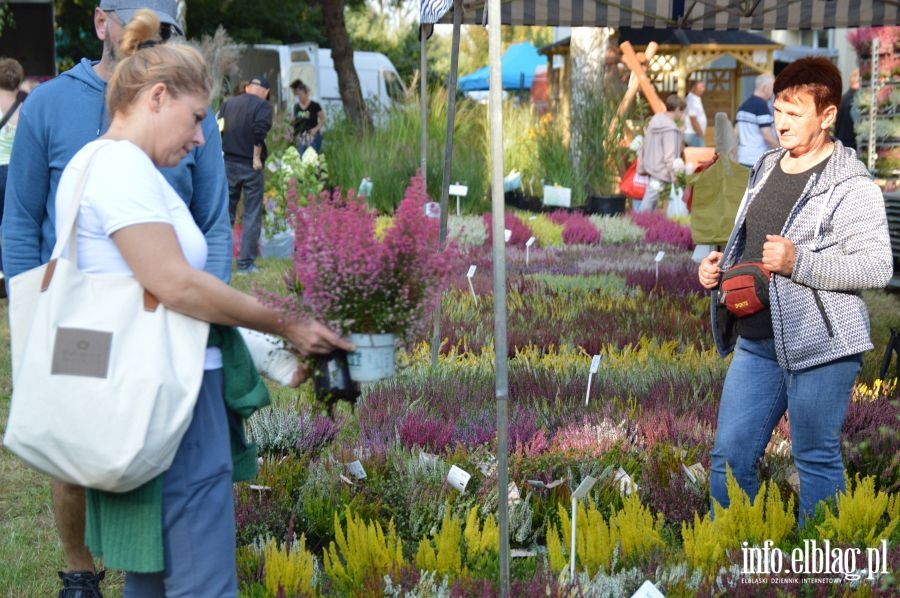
633, 184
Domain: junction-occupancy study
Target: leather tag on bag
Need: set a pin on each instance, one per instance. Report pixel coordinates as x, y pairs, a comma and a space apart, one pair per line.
81, 352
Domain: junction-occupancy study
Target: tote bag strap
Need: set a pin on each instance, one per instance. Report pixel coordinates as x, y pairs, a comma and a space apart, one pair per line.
67, 236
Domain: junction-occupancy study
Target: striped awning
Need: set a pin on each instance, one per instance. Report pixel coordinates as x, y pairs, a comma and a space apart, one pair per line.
765, 15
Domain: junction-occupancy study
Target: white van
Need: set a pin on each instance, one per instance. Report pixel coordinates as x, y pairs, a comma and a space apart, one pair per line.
381, 85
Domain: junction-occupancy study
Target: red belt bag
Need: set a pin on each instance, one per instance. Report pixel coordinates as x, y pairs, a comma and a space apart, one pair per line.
745, 289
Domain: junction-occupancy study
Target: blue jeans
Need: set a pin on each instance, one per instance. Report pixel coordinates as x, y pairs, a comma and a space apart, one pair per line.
198, 509
757, 393
693, 140
242, 177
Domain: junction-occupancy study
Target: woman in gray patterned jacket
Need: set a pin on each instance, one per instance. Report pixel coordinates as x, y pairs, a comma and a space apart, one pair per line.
814, 219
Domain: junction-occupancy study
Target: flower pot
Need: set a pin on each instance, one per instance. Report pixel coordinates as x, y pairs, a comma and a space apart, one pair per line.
331, 379
374, 356
606, 204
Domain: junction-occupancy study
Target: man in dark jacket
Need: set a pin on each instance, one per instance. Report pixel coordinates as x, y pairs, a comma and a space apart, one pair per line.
247, 119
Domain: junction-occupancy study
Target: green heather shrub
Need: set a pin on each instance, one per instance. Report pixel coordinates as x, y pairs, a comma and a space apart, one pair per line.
609, 284
617, 230
466, 231
274, 428
864, 516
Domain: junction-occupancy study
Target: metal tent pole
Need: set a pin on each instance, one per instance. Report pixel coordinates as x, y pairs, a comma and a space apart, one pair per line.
501, 383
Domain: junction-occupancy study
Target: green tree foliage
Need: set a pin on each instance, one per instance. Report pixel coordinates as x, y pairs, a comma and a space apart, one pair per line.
257, 21
75, 35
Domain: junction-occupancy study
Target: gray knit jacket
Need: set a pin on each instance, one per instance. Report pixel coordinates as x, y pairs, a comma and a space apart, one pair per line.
839, 228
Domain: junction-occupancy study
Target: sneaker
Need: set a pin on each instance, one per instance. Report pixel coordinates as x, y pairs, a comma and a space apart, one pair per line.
251, 269
81, 584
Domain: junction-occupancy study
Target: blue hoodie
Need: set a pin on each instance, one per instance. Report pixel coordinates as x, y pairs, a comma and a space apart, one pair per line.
59, 118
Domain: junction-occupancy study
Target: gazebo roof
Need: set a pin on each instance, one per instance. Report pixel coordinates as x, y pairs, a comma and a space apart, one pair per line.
671, 39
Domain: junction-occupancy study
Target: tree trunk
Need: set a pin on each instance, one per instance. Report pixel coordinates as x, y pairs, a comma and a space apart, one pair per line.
342, 55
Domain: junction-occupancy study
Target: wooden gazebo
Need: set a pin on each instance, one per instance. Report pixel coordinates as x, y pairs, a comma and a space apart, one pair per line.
681, 54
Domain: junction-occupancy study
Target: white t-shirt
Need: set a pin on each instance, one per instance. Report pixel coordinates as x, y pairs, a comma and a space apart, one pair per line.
694, 108
124, 188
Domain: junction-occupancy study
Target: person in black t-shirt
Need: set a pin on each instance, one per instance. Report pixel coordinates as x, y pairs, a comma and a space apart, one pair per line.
308, 119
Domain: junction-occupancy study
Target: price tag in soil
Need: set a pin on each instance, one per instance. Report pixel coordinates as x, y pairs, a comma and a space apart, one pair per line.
458, 478
433, 209
357, 470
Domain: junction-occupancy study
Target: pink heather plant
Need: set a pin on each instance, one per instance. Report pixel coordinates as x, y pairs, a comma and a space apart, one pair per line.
358, 283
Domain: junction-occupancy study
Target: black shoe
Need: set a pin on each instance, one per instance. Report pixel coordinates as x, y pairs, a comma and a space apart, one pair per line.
81, 584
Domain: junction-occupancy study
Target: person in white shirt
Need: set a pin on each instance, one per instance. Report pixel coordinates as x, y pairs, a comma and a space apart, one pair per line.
695, 115
131, 222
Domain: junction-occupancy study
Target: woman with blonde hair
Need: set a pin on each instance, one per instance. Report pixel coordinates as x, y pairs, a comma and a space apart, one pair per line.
174, 536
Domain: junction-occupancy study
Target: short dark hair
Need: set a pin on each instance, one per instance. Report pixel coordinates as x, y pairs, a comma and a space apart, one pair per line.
298, 84
815, 75
11, 74
675, 102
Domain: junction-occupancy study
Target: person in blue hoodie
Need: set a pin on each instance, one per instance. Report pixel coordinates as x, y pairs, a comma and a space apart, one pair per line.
61, 116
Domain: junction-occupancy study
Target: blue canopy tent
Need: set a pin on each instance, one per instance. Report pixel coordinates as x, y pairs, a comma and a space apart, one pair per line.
519, 62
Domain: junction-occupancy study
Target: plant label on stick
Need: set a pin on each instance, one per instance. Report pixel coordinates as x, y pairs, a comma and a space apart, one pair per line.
659, 256
357, 470
648, 590
528, 245
513, 494
459, 190
507, 234
471, 271
584, 487
595, 366
458, 478
469, 276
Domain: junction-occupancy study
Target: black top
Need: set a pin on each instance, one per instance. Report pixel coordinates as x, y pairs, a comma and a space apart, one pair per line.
767, 215
248, 119
306, 118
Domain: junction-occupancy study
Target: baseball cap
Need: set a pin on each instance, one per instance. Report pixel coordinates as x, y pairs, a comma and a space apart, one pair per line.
164, 9
262, 81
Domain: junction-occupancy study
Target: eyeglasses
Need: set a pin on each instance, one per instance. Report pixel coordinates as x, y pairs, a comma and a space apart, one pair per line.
166, 30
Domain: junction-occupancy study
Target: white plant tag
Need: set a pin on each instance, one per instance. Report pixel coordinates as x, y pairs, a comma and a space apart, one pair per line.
595, 364
513, 494
471, 271
459, 190
659, 256
584, 487
626, 484
458, 478
648, 590
357, 470
530, 241
507, 234
432, 209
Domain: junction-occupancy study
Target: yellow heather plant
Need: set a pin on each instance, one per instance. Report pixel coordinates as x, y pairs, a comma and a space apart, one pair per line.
860, 512
364, 550
633, 529
445, 555
765, 518
548, 233
288, 568
480, 539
